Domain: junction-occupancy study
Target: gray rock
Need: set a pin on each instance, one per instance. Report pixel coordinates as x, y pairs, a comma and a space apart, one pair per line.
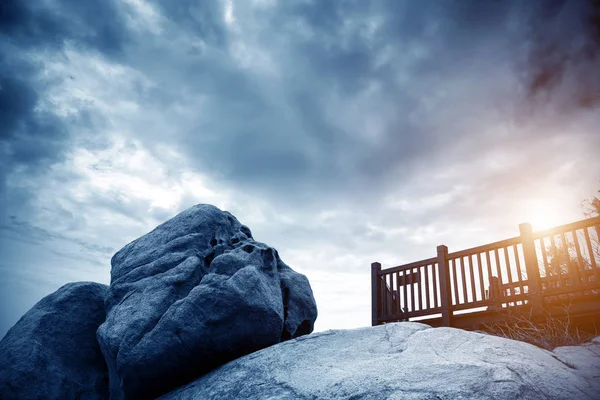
584, 358
404, 360
52, 352
194, 293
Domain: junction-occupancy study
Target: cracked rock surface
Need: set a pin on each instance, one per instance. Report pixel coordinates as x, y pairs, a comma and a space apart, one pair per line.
405, 360
52, 352
196, 292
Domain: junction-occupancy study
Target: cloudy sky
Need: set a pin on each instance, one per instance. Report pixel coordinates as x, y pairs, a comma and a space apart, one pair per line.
341, 132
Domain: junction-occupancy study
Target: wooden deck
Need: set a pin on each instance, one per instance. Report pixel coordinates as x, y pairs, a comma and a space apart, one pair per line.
555, 272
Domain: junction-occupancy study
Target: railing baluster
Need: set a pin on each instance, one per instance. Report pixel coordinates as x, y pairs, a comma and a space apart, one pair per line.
472, 273
434, 268
419, 288
412, 291
489, 268
375, 293
519, 273
455, 280
464, 280
556, 262
547, 268
480, 274
398, 302
388, 291
580, 261
445, 297
426, 272
404, 290
576, 275
570, 272
511, 290
499, 270
588, 242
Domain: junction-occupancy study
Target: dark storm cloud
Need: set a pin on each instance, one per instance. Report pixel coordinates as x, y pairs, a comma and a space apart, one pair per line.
565, 54
30, 136
243, 133
25, 26
249, 140
95, 24
203, 19
467, 40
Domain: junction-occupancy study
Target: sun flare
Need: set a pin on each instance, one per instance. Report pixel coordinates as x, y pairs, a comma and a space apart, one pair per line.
543, 217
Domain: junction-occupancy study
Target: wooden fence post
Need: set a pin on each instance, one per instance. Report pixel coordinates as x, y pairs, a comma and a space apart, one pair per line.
445, 291
375, 293
532, 267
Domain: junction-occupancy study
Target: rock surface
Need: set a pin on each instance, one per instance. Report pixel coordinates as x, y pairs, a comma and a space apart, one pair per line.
194, 293
52, 352
586, 358
395, 361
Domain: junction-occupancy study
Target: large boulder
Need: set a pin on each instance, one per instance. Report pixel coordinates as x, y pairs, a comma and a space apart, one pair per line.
52, 352
194, 293
404, 360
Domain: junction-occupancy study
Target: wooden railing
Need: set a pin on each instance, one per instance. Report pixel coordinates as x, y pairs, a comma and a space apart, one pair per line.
531, 270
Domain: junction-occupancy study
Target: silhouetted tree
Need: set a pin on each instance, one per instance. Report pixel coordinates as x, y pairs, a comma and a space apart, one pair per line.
591, 206
564, 257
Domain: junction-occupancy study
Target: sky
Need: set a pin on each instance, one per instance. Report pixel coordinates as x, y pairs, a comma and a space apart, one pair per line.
340, 132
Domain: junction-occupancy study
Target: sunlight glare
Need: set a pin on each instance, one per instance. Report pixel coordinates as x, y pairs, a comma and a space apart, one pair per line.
543, 216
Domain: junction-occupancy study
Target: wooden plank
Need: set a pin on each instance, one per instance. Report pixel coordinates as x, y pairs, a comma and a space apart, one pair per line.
410, 265
485, 247
585, 223
586, 273
486, 303
412, 314
569, 290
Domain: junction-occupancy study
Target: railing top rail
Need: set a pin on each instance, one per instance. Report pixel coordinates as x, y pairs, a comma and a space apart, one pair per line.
403, 267
584, 223
486, 247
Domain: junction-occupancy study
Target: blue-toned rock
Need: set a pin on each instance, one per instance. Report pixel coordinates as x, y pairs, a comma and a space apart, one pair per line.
406, 360
195, 293
52, 352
